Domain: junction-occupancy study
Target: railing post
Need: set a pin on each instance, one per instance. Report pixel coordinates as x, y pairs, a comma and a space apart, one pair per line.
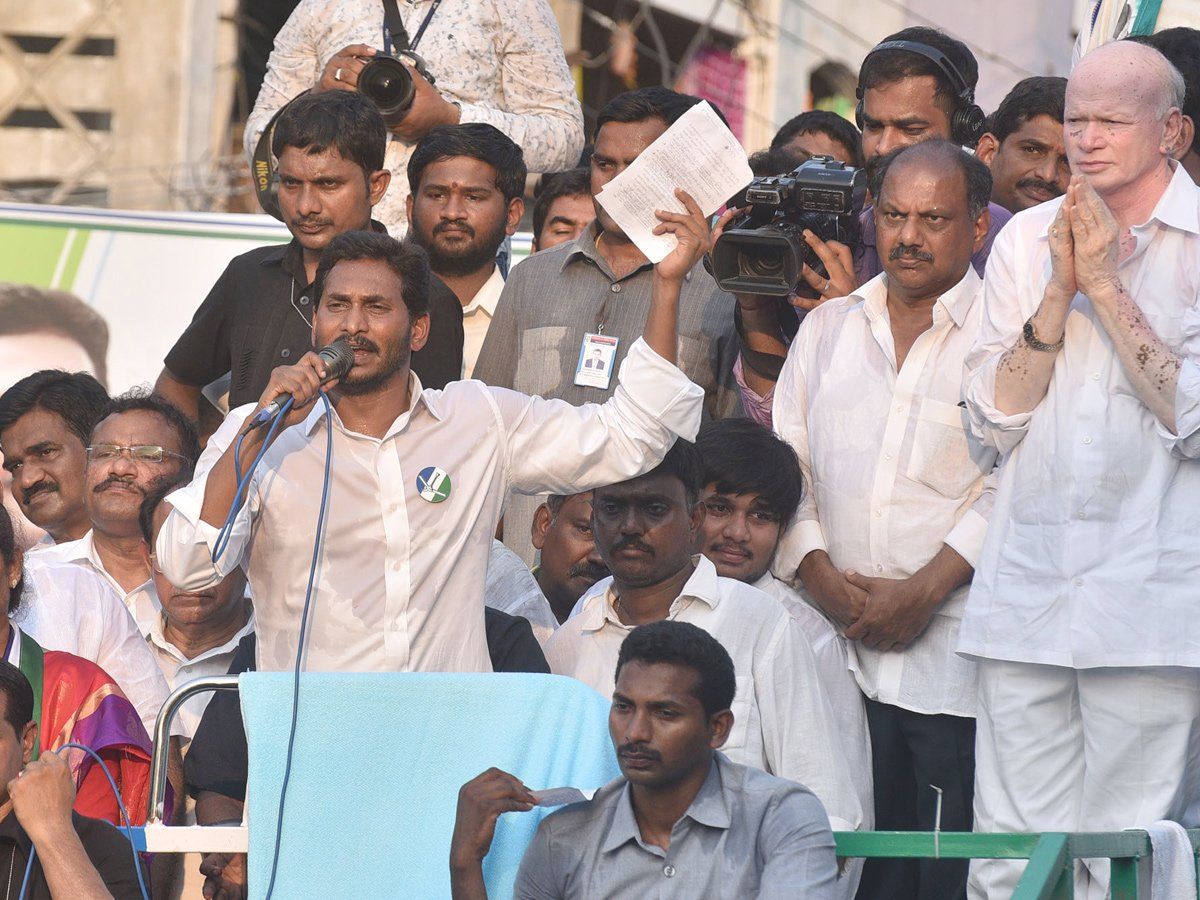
162, 736
1048, 869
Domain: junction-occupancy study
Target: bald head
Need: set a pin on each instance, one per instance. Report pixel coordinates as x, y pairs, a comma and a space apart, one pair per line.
1135, 70
941, 159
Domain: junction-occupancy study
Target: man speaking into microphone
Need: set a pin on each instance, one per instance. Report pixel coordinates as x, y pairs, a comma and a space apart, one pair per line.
417, 477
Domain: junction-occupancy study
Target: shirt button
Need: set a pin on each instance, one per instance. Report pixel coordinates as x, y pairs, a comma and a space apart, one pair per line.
879, 513
1078, 582
1095, 376
1087, 440
669, 871
879, 568
616, 289
899, 407
285, 353
888, 457
1082, 515
304, 301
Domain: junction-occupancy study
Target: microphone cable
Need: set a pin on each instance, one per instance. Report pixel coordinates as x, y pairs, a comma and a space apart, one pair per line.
128, 829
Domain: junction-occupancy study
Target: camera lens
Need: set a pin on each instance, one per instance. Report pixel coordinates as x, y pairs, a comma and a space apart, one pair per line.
387, 83
762, 262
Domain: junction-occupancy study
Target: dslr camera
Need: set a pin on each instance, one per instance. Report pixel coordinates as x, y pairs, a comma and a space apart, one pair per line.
387, 83
763, 251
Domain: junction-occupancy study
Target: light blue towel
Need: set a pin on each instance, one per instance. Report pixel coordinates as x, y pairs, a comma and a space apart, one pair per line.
378, 762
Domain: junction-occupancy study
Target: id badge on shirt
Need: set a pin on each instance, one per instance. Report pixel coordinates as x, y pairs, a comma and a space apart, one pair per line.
596, 357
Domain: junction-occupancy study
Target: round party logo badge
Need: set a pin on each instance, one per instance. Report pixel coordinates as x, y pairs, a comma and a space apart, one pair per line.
433, 484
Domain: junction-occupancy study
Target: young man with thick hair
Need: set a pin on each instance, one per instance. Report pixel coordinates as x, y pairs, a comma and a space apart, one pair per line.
1023, 144
563, 208
258, 315
681, 809
467, 187
819, 132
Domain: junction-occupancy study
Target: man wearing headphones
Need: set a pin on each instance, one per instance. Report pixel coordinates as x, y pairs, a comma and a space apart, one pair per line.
915, 85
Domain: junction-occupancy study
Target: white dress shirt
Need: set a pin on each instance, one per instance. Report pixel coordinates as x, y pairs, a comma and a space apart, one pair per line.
500, 61
69, 607
782, 721
1093, 555
178, 670
845, 698
477, 318
891, 470
400, 578
142, 601
511, 588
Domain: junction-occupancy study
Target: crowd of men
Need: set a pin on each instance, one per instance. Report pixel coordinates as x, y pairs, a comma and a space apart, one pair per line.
911, 548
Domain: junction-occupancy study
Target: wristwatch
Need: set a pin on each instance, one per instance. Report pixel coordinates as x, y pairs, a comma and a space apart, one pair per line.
1035, 344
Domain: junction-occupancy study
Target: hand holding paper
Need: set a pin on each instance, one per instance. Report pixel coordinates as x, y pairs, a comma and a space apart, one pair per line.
697, 154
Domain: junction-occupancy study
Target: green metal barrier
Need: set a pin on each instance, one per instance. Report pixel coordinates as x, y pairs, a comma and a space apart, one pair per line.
1050, 873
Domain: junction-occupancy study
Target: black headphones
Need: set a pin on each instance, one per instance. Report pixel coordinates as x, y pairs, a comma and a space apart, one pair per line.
966, 122
264, 167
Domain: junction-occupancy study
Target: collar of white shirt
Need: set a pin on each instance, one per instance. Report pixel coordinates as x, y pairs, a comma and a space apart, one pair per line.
159, 640
83, 552
702, 585
487, 296
1178, 207
956, 302
418, 396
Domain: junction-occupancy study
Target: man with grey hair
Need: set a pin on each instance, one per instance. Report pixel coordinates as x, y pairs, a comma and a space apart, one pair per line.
1086, 378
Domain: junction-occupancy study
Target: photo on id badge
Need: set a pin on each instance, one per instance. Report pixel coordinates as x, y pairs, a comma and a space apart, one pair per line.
596, 357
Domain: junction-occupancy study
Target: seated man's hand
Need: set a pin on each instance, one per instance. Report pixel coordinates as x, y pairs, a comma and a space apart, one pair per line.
481, 801
224, 876
42, 796
898, 611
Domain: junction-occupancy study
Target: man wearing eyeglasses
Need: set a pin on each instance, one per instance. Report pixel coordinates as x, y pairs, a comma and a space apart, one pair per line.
139, 441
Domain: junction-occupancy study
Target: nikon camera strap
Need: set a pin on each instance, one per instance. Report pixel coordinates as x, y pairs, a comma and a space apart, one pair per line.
395, 35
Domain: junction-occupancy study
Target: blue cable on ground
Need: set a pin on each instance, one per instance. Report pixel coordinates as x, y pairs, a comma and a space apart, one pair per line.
137, 865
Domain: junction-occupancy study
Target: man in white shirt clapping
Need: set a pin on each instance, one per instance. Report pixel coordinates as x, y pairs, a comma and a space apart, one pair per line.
1086, 376
886, 537
417, 478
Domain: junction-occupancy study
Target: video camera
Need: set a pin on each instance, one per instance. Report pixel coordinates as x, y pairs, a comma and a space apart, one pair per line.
387, 83
763, 251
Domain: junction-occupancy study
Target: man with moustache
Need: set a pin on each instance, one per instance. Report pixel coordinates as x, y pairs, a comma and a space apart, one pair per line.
1086, 377
885, 540
258, 315
139, 440
915, 85
683, 820
46, 420
569, 562
1023, 145
467, 187
646, 529
419, 477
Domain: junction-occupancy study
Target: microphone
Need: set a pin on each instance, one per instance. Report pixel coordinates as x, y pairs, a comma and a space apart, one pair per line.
338, 358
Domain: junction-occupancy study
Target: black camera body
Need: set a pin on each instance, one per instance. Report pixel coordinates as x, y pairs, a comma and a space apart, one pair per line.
387, 82
763, 251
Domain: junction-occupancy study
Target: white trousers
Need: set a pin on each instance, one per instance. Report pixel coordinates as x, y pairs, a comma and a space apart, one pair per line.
1061, 749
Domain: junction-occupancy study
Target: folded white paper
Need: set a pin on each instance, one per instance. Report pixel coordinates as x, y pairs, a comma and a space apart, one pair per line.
561, 796
698, 154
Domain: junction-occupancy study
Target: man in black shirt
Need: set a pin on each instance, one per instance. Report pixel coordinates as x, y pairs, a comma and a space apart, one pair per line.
258, 315
76, 857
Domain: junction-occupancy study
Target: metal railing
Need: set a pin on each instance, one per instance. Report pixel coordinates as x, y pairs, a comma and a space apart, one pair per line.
1050, 872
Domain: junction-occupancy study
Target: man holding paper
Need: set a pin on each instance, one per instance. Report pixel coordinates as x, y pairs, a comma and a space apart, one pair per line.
587, 299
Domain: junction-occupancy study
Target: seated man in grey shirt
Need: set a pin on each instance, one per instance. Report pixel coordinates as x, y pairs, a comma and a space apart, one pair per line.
682, 821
